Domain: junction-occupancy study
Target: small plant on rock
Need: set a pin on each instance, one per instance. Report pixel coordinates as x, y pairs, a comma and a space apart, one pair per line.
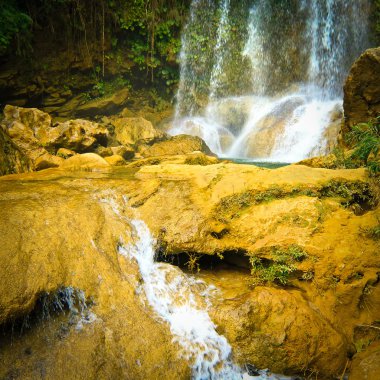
280, 267
365, 137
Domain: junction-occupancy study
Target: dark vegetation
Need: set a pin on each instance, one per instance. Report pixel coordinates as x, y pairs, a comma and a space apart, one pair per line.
123, 42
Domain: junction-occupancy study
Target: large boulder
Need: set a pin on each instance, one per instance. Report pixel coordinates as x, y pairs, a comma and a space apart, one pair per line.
32, 133
135, 130
362, 90
32, 118
181, 144
78, 135
25, 126
280, 330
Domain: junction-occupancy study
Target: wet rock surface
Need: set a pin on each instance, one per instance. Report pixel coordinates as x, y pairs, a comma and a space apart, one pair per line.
304, 325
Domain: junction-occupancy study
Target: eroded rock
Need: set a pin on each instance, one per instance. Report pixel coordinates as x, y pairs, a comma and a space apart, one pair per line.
78, 135
135, 130
361, 90
180, 144
115, 160
12, 159
304, 326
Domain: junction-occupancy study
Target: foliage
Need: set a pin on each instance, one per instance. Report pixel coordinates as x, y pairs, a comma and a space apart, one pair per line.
193, 264
365, 137
356, 194
146, 33
373, 232
342, 161
14, 25
353, 193
280, 267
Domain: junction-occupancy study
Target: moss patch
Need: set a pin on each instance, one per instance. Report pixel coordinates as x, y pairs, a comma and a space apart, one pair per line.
355, 194
279, 267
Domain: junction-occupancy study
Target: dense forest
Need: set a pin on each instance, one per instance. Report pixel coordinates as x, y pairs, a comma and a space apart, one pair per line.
143, 36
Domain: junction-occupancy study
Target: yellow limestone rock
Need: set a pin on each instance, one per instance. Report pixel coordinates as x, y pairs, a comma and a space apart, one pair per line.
59, 228
85, 161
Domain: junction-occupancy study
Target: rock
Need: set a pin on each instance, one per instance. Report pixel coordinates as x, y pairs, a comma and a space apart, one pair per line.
199, 158
86, 161
115, 160
328, 162
103, 106
232, 113
65, 153
12, 159
104, 151
32, 118
180, 144
126, 112
24, 139
135, 130
56, 239
361, 91
280, 330
68, 109
126, 152
48, 160
78, 135
199, 215
261, 140
366, 364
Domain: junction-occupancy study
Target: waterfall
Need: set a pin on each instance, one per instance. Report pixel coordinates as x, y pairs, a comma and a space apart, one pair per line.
219, 51
291, 65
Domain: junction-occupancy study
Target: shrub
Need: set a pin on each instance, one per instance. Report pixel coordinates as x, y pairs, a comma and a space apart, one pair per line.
280, 267
365, 137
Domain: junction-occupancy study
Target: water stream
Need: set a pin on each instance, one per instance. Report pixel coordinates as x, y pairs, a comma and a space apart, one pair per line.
290, 58
182, 302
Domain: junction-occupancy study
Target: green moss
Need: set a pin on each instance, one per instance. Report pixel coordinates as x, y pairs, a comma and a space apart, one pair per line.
279, 268
357, 195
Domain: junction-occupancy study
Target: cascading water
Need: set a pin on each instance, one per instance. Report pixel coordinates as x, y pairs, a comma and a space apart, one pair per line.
182, 302
292, 64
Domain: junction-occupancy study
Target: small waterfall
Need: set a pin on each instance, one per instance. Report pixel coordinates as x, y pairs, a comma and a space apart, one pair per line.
181, 301
169, 293
298, 54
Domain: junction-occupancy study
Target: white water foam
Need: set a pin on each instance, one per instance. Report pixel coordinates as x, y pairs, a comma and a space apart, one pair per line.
169, 293
331, 39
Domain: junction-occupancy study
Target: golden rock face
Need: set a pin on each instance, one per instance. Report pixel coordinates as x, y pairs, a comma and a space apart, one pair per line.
59, 229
